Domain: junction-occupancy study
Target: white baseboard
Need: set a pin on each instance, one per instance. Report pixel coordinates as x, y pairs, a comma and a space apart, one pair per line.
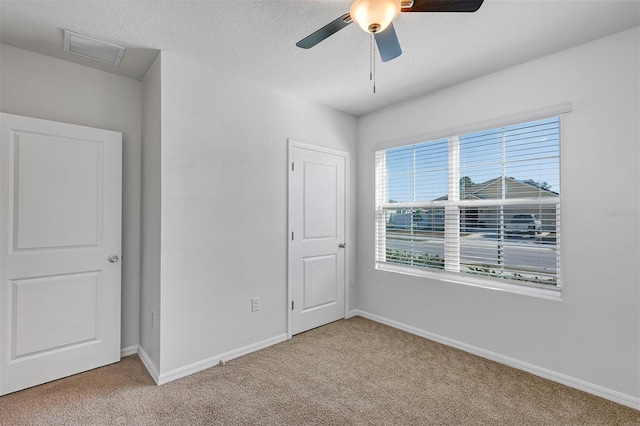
149, 365
354, 313
612, 395
210, 362
129, 350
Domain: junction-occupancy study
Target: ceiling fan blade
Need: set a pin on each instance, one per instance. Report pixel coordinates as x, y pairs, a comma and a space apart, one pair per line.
444, 6
324, 32
388, 44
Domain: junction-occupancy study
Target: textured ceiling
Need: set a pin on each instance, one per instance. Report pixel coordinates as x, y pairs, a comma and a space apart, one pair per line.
255, 40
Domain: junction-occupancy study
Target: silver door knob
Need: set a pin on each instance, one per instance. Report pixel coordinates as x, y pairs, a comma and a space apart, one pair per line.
342, 245
113, 258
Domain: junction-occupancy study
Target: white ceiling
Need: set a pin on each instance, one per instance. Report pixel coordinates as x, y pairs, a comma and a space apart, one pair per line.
255, 40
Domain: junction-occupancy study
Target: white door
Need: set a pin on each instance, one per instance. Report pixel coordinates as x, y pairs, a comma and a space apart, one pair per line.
60, 215
317, 231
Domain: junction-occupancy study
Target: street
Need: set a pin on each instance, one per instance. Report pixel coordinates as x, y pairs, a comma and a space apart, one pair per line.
527, 253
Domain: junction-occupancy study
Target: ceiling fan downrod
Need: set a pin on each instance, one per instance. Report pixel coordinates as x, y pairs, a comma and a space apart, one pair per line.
372, 62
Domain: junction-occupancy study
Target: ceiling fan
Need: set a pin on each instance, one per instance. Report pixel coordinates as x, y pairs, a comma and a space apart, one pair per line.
376, 17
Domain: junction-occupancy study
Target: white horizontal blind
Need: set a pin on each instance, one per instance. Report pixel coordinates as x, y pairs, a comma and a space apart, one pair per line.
413, 178
485, 203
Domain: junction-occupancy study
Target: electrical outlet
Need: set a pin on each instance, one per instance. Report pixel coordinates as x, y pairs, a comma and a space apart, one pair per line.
255, 304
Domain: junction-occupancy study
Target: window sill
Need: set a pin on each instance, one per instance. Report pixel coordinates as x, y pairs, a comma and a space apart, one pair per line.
554, 293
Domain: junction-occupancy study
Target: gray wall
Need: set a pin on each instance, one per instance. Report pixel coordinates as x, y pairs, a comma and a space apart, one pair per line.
591, 337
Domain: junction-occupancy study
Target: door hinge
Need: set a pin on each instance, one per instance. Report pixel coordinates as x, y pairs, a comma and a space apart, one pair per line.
291, 235
293, 166
292, 305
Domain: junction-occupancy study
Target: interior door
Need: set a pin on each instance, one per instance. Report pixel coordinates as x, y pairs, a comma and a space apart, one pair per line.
317, 243
60, 220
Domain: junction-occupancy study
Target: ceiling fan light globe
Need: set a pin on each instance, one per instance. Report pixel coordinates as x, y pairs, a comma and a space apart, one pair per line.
374, 15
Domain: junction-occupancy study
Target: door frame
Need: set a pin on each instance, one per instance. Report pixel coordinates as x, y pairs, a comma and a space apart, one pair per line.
292, 143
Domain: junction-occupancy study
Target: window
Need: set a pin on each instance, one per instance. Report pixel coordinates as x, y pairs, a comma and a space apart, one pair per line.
481, 207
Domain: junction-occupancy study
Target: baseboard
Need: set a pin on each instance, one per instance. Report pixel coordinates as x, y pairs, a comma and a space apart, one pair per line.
611, 395
353, 313
149, 365
129, 350
210, 362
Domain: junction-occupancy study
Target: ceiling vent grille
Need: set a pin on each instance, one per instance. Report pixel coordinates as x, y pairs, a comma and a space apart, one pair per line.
92, 48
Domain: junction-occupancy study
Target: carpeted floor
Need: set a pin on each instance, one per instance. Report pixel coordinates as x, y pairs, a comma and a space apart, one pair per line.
351, 372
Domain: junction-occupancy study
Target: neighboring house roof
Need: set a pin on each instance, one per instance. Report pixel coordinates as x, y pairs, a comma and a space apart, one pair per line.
492, 189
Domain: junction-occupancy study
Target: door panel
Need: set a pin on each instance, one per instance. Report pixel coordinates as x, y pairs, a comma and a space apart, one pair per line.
320, 200
52, 312
49, 184
317, 221
319, 281
60, 220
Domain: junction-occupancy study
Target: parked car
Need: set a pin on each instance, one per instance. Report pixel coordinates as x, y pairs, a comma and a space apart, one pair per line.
400, 221
526, 223
431, 221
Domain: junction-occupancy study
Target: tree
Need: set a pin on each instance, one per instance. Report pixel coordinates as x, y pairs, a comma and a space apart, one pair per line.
465, 181
541, 185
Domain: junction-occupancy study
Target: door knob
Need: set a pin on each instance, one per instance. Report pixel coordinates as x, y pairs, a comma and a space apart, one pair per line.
113, 258
342, 245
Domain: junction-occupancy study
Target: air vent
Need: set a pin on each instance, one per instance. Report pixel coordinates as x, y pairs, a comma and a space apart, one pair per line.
92, 48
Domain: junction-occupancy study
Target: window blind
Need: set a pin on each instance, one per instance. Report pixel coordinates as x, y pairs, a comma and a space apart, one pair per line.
485, 203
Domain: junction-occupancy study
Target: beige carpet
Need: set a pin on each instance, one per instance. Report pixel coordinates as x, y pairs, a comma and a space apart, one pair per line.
353, 372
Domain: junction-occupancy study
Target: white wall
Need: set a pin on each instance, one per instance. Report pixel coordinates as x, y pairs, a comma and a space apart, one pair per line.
592, 336
43, 87
224, 207
150, 268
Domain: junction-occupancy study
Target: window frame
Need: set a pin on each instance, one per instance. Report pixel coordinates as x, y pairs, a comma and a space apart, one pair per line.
501, 284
